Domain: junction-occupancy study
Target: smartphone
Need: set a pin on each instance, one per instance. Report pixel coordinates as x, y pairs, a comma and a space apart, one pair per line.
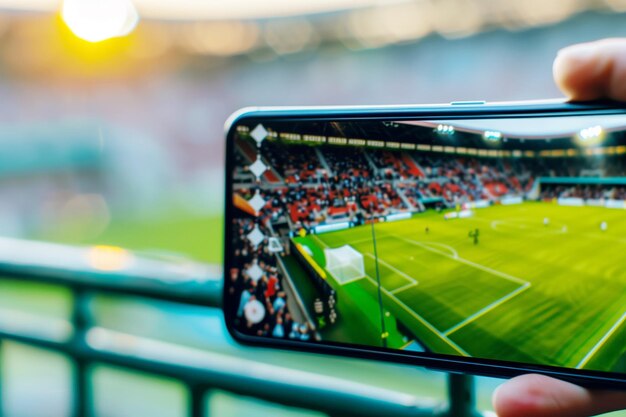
470, 237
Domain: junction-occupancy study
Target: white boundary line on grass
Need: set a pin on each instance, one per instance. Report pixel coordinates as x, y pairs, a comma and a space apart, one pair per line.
404, 287
420, 318
468, 262
356, 242
453, 252
486, 309
602, 341
342, 283
557, 228
320, 241
393, 268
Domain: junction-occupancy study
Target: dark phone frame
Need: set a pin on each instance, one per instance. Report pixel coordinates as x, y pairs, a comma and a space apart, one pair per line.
461, 110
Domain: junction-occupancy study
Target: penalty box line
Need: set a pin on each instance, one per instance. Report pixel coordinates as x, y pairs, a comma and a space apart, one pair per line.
419, 318
404, 287
524, 285
601, 342
468, 262
393, 268
486, 309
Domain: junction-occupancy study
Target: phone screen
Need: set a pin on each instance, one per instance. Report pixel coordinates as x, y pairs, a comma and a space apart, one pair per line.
499, 239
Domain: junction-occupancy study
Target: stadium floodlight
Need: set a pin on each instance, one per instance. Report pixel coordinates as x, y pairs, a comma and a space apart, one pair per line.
345, 263
492, 136
445, 130
591, 136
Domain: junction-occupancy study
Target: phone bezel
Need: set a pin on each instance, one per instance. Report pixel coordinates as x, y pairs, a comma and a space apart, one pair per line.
448, 363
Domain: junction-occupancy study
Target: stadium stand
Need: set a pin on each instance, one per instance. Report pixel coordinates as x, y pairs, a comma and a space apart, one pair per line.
585, 192
352, 183
298, 164
261, 280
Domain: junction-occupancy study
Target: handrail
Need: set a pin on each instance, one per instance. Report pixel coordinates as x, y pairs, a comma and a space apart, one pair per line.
112, 270
199, 370
206, 370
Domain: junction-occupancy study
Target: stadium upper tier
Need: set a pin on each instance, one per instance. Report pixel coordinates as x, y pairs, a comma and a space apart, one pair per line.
308, 185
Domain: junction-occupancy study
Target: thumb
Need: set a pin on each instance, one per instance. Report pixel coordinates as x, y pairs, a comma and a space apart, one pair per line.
593, 70
541, 396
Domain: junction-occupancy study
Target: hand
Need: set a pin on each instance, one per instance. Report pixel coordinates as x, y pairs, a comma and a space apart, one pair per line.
589, 71
540, 396
593, 70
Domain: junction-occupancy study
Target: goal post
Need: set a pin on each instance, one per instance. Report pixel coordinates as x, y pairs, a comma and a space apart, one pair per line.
345, 263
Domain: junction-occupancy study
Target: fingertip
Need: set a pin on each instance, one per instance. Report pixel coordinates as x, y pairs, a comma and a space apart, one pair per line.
539, 396
561, 73
516, 397
575, 71
593, 70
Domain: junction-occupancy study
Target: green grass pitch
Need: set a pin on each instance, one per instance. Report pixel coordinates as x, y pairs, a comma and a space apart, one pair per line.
552, 294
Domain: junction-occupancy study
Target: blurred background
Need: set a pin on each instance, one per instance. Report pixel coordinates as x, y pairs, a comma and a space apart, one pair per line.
111, 134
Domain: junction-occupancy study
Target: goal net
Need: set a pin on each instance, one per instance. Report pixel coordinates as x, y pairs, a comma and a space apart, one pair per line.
344, 263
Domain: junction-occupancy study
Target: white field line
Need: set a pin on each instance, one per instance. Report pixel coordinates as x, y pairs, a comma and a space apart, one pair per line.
421, 319
394, 269
520, 224
468, 262
320, 241
602, 341
404, 287
428, 246
342, 283
486, 309
356, 242
453, 251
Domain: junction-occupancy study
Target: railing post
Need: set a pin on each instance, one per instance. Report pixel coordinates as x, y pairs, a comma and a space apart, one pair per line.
196, 406
461, 396
81, 384
1, 379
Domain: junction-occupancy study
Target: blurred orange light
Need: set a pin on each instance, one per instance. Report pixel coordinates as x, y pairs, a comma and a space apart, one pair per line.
108, 258
99, 20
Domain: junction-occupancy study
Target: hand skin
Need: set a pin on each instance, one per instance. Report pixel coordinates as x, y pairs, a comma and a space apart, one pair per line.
540, 396
594, 70
588, 71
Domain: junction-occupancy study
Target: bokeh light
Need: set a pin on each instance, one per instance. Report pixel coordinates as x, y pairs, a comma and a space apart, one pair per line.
97, 20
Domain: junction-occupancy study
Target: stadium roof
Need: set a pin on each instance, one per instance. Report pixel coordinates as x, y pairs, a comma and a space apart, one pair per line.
529, 128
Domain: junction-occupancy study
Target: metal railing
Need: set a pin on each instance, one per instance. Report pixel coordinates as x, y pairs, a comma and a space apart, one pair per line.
104, 271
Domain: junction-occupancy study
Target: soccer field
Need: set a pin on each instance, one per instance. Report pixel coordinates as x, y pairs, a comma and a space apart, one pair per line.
552, 294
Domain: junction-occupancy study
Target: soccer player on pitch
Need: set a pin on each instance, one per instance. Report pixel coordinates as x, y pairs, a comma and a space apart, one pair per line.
587, 71
474, 234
